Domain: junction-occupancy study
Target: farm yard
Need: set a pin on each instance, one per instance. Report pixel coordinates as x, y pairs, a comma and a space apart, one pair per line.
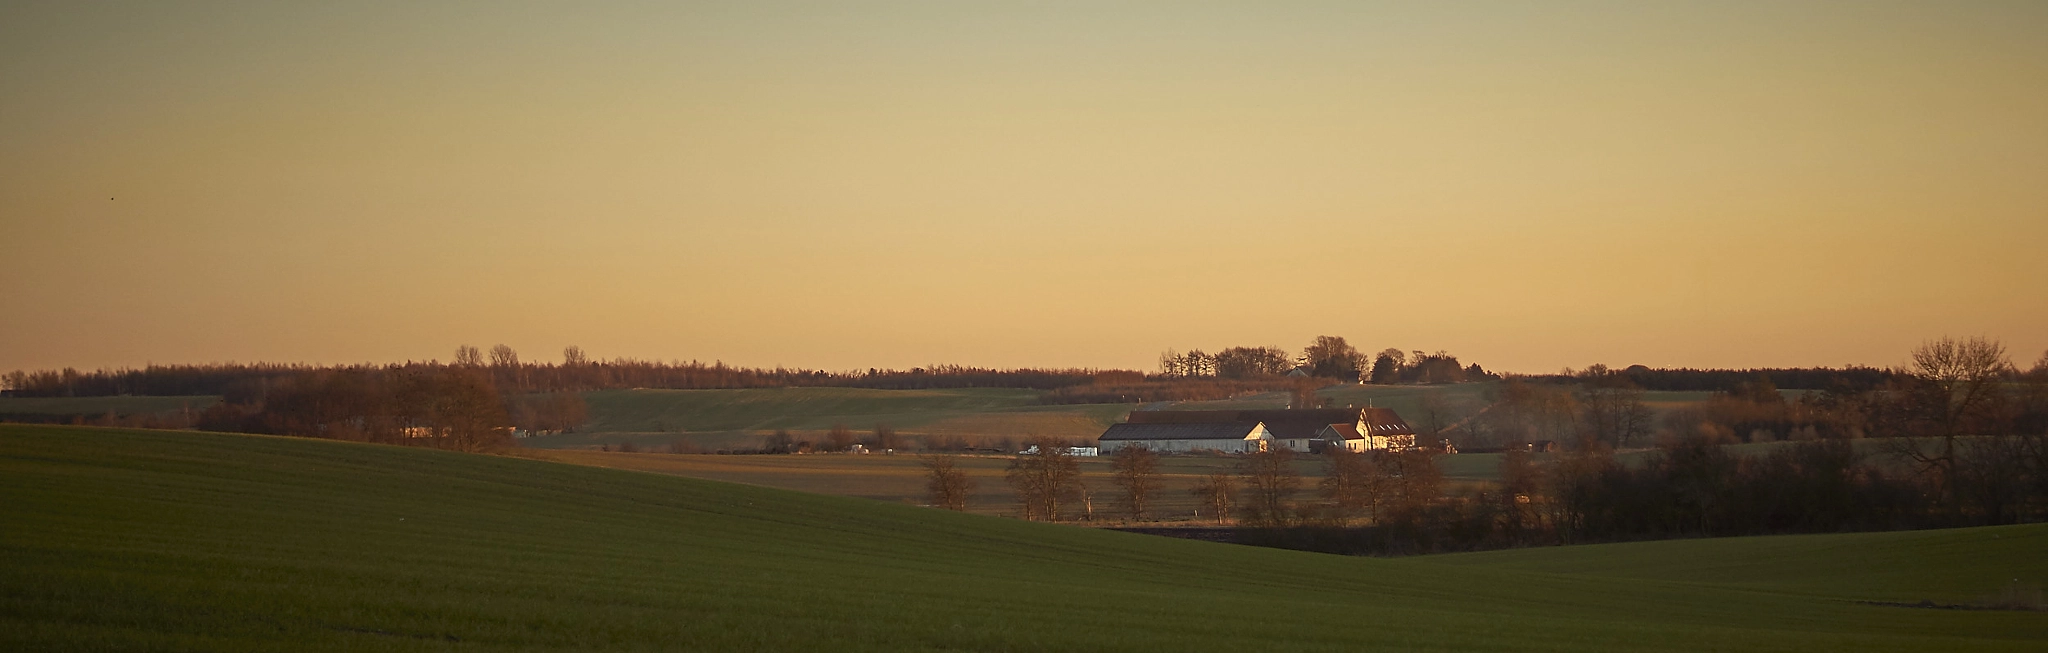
125, 539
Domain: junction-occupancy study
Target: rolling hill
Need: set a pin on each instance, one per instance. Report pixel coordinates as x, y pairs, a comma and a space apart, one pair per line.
157, 540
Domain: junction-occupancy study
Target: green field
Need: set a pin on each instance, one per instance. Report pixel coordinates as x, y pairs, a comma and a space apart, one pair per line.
1957, 566
155, 540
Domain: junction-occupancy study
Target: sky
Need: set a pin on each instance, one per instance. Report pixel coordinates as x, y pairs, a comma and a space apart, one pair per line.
1529, 186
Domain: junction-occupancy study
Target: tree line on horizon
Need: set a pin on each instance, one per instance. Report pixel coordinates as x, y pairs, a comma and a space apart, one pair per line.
1328, 357
577, 372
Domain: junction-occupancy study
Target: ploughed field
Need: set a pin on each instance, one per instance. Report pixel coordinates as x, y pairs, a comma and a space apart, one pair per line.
157, 540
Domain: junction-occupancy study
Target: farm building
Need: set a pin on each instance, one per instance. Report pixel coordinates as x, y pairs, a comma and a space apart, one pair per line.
1227, 437
1304, 430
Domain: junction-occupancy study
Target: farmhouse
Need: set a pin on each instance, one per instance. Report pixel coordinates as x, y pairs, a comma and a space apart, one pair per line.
1235, 431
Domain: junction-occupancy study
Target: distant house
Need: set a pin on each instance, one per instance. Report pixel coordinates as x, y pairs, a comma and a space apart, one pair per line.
1304, 430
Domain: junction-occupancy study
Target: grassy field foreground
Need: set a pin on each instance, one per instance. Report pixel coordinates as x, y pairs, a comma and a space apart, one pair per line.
133, 540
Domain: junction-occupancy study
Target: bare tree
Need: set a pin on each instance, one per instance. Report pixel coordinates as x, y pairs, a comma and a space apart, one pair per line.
1614, 412
839, 438
1270, 477
1434, 416
1171, 364
1218, 495
1954, 380
468, 411
1415, 479
1353, 484
1045, 477
1303, 395
886, 439
469, 356
1961, 376
1135, 470
780, 442
1520, 481
503, 356
947, 484
573, 356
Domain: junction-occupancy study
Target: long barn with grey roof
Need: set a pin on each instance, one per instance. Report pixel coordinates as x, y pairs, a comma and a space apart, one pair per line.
1227, 437
1356, 429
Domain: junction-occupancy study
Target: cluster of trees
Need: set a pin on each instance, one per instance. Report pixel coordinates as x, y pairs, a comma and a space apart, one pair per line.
1392, 366
1232, 363
838, 439
454, 407
1329, 357
575, 373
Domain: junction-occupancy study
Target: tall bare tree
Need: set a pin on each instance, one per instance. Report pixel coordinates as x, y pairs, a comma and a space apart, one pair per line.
1135, 470
839, 438
573, 356
1270, 478
469, 356
946, 483
1415, 479
886, 439
1046, 477
1954, 381
468, 411
503, 356
1218, 495
1352, 483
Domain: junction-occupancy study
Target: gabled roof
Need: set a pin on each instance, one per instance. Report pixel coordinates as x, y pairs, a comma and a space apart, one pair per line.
1197, 431
1384, 421
1344, 431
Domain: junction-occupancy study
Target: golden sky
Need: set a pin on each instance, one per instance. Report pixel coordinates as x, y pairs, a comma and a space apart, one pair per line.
843, 185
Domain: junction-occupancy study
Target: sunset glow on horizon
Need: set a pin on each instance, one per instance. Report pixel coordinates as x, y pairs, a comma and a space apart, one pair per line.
842, 186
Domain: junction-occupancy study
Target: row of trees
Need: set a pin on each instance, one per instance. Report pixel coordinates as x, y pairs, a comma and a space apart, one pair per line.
1328, 357
451, 406
838, 439
576, 372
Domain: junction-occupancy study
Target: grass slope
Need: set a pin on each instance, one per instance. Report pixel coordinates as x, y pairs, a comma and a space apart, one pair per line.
133, 540
1946, 566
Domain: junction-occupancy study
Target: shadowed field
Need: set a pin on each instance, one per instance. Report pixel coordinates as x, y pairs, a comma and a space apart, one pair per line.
120, 539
